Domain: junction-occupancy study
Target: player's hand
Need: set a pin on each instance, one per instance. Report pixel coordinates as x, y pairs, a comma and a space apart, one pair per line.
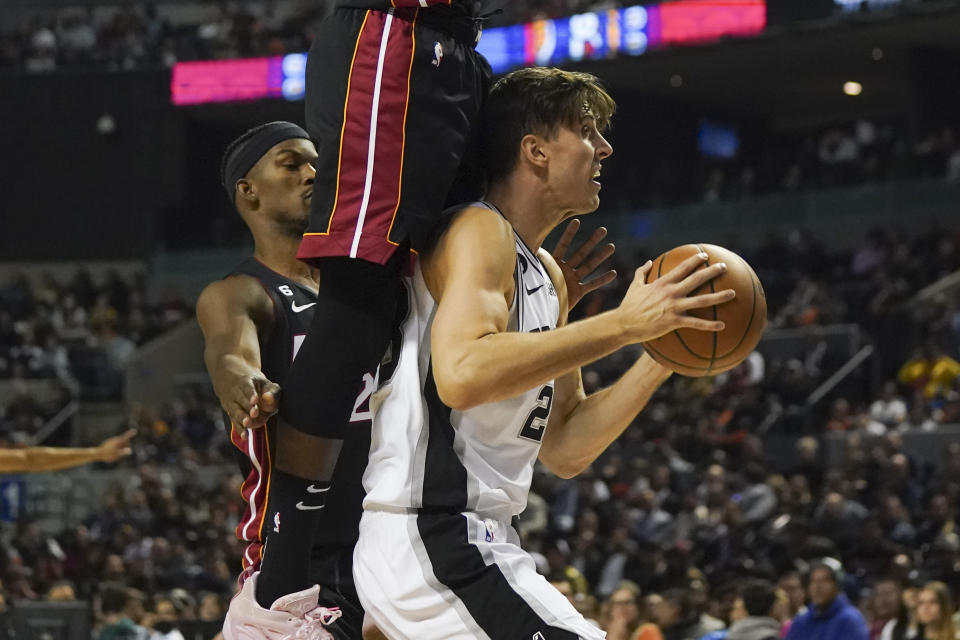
583, 263
650, 310
112, 449
247, 396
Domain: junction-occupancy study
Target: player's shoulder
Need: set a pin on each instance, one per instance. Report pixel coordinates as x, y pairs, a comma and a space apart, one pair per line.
236, 291
477, 226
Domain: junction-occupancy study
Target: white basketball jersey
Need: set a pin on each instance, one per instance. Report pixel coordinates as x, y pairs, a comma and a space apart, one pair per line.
424, 455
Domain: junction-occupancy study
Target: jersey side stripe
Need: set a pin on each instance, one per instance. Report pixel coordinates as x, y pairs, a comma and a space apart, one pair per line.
444, 476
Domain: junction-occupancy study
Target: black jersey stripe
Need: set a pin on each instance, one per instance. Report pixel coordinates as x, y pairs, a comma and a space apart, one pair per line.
500, 611
444, 476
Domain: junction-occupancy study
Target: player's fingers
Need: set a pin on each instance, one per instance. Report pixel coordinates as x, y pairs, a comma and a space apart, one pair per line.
595, 260
563, 245
583, 251
706, 300
691, 322
642, 271
698, 278
684, 269
270, 398
600, 282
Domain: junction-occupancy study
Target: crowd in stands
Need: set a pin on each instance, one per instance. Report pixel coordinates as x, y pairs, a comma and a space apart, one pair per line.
78, 333
158, 35
665, 533
862, 152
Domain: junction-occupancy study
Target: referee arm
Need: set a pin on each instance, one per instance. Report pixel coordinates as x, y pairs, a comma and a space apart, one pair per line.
55, 458
233, 314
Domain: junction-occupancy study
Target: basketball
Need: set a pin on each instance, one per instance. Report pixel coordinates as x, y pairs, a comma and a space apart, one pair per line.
693, 352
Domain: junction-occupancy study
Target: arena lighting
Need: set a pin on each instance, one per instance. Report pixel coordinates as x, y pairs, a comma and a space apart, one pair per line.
587, 36
852, 88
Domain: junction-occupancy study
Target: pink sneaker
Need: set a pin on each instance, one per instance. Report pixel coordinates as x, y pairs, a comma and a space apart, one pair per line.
293, 617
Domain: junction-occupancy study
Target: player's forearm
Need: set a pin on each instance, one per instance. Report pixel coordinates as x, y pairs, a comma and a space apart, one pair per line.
227, 354
47, 458
592, 424
503, 365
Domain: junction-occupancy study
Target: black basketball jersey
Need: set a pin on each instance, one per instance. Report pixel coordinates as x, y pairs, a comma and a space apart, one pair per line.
294, 306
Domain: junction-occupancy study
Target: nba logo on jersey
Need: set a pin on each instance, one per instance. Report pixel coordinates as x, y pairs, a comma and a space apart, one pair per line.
437, 54
276, 522
488, 536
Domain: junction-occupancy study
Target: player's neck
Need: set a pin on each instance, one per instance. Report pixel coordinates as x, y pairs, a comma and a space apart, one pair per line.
526, 210
279, 253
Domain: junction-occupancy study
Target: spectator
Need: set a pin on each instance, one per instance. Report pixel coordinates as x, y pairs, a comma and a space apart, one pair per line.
675, 615
623, 620
886, 605
121, 607
830, 616
752, 617
935, 613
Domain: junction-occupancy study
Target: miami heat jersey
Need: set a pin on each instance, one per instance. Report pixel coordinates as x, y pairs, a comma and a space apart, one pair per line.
425, 455
294, 306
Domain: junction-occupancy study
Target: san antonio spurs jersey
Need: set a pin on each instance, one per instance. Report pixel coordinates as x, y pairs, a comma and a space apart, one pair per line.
423, 454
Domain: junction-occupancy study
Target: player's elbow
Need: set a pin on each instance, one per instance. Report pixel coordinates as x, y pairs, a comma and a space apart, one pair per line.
458, 386
456, 393
564, 466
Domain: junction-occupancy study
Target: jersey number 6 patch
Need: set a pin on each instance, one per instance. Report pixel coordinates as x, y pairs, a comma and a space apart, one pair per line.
536, 422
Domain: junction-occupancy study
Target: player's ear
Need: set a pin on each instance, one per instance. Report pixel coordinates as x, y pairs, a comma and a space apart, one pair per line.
533, 150
246, 190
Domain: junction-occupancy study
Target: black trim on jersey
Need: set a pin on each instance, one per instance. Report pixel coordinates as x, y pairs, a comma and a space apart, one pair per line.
444, 476
499, 610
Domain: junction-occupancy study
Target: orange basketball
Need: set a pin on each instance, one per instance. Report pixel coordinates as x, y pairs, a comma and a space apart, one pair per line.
693, 352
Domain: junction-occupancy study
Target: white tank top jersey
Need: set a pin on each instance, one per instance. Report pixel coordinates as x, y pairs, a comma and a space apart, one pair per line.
424, 455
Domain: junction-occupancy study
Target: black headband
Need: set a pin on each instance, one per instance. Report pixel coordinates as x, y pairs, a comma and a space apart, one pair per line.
247, 152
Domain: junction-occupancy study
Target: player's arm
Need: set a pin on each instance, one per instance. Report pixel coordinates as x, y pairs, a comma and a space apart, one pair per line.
476, 361
55, 458
581, 427
233, 314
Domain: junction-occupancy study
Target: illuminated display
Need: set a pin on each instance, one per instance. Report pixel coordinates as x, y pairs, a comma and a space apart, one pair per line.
588, 36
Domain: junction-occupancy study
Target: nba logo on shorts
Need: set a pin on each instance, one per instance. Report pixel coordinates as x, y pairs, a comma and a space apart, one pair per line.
437, 54
276, 522
538, 636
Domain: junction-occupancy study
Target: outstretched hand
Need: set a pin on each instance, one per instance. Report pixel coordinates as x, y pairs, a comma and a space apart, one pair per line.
584, 262
116, 447
245, 394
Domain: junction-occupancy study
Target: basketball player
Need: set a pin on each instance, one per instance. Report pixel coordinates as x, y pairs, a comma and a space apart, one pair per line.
253, 322
394, 92
487, 380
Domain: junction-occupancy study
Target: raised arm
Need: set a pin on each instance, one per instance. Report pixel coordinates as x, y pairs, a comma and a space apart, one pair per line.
233, 314
476, 361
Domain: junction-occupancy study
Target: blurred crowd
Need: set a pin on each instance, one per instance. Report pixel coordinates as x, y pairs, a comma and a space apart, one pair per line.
159, 552
76, 333
700, 497
158, 35
862, 152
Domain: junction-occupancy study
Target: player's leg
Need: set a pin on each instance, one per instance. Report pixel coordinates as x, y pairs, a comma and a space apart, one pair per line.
448, 576
391, 128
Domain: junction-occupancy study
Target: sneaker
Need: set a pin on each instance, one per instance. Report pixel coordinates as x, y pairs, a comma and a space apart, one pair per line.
293, 617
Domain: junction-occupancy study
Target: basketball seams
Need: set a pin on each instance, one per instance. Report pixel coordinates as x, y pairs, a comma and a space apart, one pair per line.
683, 342
682, 349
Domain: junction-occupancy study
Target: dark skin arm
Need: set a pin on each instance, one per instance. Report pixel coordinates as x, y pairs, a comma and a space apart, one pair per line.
233, 315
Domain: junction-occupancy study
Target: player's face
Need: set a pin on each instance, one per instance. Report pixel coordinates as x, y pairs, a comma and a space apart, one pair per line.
284, 181
576, 154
